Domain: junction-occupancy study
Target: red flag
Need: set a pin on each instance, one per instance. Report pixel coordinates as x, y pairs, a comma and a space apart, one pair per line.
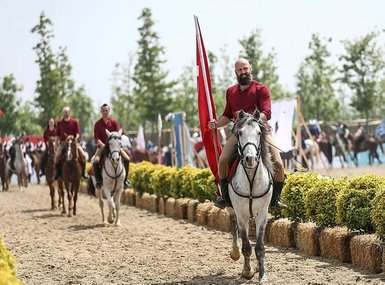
206, 105
1, 112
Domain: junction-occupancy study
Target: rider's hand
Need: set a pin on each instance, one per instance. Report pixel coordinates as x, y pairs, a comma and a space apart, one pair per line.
213, 124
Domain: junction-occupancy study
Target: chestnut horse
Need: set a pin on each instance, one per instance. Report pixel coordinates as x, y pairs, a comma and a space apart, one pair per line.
72, 172
370, 143
49, 171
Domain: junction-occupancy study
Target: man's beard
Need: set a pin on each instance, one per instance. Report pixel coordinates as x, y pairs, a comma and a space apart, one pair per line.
244, 79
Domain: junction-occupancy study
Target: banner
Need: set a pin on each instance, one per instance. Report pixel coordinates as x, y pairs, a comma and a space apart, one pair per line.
282, 114
206, 107
140, 142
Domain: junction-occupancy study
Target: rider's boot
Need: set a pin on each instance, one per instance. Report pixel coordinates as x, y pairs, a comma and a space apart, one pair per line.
127, 183
58, 171
275, 203
223, 201
98, 175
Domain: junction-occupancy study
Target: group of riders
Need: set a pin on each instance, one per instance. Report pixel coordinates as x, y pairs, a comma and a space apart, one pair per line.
57, 132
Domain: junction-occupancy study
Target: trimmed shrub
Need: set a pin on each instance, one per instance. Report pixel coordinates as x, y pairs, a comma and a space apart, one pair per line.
140, 175
161, 180
354, 203
7, 267
294, 192
320, 201
204, 186
378, 213
182, 182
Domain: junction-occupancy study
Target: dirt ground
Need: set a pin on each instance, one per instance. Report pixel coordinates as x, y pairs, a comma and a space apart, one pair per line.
147, 249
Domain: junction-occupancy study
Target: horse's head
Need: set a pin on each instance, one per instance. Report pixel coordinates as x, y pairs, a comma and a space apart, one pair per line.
248, 129
70, 148
114, 145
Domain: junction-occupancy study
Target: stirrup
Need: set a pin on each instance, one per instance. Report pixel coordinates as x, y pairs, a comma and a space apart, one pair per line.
278, 205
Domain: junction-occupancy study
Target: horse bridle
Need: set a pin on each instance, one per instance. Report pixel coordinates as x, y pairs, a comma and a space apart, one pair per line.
240, 150
115, 177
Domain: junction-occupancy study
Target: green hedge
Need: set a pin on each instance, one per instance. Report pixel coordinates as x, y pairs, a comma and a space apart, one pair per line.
358, 203
320, 201
355, 202
7, 267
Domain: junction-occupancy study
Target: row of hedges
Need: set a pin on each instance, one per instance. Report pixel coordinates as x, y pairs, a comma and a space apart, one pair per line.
7, 267
358, 203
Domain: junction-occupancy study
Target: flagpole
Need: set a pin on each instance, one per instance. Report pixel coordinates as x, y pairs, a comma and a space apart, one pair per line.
213, 131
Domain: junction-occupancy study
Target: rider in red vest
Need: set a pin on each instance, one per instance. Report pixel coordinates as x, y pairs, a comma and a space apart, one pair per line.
246, 95
100, 136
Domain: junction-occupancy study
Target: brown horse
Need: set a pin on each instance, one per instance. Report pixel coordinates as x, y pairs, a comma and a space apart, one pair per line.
37, 157
49, 171
138, 155
370, 143
72, 172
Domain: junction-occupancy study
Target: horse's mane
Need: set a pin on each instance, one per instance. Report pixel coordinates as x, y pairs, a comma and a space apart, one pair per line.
265, 131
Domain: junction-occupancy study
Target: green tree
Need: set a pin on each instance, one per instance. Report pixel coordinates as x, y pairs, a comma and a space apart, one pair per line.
362, 68
56, 88
152, 92
264, 66
49, 88
27, 120
9, 103
315, 83
122, 101
185, 99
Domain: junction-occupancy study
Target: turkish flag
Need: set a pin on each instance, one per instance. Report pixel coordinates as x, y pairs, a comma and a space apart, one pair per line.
206, 107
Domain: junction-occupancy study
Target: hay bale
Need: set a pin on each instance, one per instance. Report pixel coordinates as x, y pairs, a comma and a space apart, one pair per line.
281, 233
268, 229
170, 207
212, 217
307, 238
130, 197
123, 197
224, 221
366, 252
138, 200
162, 205
335, 243
191, 210
181, 208
202, 212
150, 202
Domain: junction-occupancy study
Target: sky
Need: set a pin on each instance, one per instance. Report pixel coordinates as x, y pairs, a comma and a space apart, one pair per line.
98, 34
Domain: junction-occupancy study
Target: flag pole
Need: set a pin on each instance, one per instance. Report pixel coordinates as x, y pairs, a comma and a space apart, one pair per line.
213, 131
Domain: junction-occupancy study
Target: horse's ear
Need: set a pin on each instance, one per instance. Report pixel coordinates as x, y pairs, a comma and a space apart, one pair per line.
108, 133
257, 114
120, 132
241, 114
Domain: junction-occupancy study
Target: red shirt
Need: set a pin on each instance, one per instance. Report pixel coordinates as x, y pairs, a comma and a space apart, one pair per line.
67, 128
48, 133
255, 96
101, 127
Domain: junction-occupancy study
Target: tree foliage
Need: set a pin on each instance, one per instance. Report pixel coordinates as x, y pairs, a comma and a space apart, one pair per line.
152, 92
362, 68
9, 103
315, 83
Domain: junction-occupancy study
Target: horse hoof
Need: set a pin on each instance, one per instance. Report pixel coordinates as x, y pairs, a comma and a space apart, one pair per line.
69, 214
235, 254
117, 224
110, 221
248, 274
262, 280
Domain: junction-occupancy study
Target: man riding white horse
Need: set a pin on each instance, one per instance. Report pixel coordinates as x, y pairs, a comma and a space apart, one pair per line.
100, 136
246, 95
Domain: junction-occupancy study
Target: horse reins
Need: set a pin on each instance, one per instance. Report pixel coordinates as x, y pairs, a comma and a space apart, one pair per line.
115, 169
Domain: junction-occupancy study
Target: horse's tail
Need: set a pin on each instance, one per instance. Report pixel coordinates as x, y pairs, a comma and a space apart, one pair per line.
91, 187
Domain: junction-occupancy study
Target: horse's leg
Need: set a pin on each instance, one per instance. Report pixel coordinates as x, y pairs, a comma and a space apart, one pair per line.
235, 252
110, 202
243, 226
260, 225
75, 188
52, 194
69, 198
117, 196
99, 194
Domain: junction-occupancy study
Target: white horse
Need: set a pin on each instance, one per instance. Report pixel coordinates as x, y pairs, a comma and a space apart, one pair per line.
113, 174
250, 190
19, 167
